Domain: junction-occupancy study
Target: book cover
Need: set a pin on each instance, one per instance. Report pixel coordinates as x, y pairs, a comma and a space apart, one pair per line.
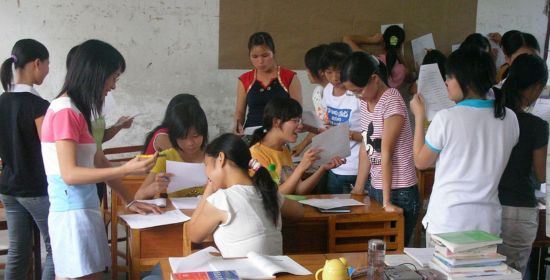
466, 240
206, 275
477, 253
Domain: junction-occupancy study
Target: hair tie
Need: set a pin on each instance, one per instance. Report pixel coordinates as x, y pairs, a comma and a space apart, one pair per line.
393, 41
264, 130
254, 165
14, 58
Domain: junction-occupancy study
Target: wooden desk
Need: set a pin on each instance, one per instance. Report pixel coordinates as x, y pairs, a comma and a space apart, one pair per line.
310, 234
149, 246
539, 254
311, 262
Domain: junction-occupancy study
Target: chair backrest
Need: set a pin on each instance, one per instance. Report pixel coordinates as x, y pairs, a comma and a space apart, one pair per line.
352, 232
124, 153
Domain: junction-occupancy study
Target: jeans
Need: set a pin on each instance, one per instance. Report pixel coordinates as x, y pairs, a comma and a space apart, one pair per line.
339, 183
519, 230
20, 211
406, 198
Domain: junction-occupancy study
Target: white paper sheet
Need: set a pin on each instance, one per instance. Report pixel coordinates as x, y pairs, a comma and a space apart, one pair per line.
185, 202
186, 175
419, 46
332, 142
383, 27
328, 203
311, 119
454, 47
196, 262
250, 130
432, 87
257, 266
542, 109
397, 259
137, 221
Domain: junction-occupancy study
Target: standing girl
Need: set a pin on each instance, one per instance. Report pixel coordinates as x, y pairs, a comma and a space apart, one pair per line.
526, 168
471, 142
243, 212
256, 87
392, 39
281, 123
387, 137
23, 184
77, 233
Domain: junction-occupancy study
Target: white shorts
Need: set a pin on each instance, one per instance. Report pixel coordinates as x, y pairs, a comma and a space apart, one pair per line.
79, 242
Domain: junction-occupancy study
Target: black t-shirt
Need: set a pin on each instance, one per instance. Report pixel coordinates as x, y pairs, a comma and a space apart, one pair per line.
23, 172
518, 182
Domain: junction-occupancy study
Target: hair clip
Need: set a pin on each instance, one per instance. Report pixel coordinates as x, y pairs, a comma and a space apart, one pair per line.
254, 165
14, 58
393, 41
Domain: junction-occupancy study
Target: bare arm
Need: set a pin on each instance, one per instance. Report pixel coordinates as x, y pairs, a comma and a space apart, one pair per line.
73, 174
293, 182
539, 163
122, 123
362, 172
206, 218
392, 129
424, 157
240, 108
355, 41
295, 89
38, 122
153, 184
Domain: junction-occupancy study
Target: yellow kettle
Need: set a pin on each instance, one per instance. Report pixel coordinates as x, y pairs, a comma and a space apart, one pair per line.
335, 269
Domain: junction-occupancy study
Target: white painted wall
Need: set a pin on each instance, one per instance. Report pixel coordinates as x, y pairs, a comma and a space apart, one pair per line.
171, 46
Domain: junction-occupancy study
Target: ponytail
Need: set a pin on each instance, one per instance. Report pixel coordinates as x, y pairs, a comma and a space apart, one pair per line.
258, 135
236, 151
393, 40
6, 74
23, 52
500, 103
268, 189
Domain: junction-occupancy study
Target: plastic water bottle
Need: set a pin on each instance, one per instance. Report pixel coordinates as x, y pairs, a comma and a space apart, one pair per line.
376, 253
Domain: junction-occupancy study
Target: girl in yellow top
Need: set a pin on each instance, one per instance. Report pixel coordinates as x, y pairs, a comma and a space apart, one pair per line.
188, 133
280, 125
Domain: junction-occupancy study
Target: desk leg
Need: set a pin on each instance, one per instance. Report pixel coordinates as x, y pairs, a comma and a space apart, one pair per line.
135, 254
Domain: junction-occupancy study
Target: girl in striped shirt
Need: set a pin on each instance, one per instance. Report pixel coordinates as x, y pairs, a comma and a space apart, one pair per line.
387, 138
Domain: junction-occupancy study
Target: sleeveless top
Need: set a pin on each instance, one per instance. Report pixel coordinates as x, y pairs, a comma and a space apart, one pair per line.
151, 145
258, 94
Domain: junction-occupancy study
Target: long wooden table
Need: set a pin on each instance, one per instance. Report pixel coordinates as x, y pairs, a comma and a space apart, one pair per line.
308, 235
311, 262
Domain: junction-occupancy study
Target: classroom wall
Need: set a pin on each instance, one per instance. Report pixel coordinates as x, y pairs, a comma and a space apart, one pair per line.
171, 46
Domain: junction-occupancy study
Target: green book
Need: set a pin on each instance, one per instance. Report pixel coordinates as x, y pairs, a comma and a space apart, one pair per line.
295, 197
466, 240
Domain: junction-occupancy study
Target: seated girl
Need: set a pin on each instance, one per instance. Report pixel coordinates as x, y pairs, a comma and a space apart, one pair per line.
157, 139
281, 124
243, 212
188, 133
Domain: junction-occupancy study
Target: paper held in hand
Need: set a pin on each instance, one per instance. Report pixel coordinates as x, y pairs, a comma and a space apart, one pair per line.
333, 142
311, 119
185, 175
420, 45
254, 266
432, 87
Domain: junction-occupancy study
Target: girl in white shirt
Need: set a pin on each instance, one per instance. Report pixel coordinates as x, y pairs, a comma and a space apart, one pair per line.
470, 144
242, 212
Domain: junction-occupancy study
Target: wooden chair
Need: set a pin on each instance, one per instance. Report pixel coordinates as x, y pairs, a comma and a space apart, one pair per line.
425, 185
125, 151
131, 184
351, 233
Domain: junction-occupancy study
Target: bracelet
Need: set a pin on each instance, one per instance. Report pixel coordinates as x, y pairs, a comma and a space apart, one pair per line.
130, 204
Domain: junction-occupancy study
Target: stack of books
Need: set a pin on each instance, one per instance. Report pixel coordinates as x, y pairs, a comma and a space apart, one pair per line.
471, 255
